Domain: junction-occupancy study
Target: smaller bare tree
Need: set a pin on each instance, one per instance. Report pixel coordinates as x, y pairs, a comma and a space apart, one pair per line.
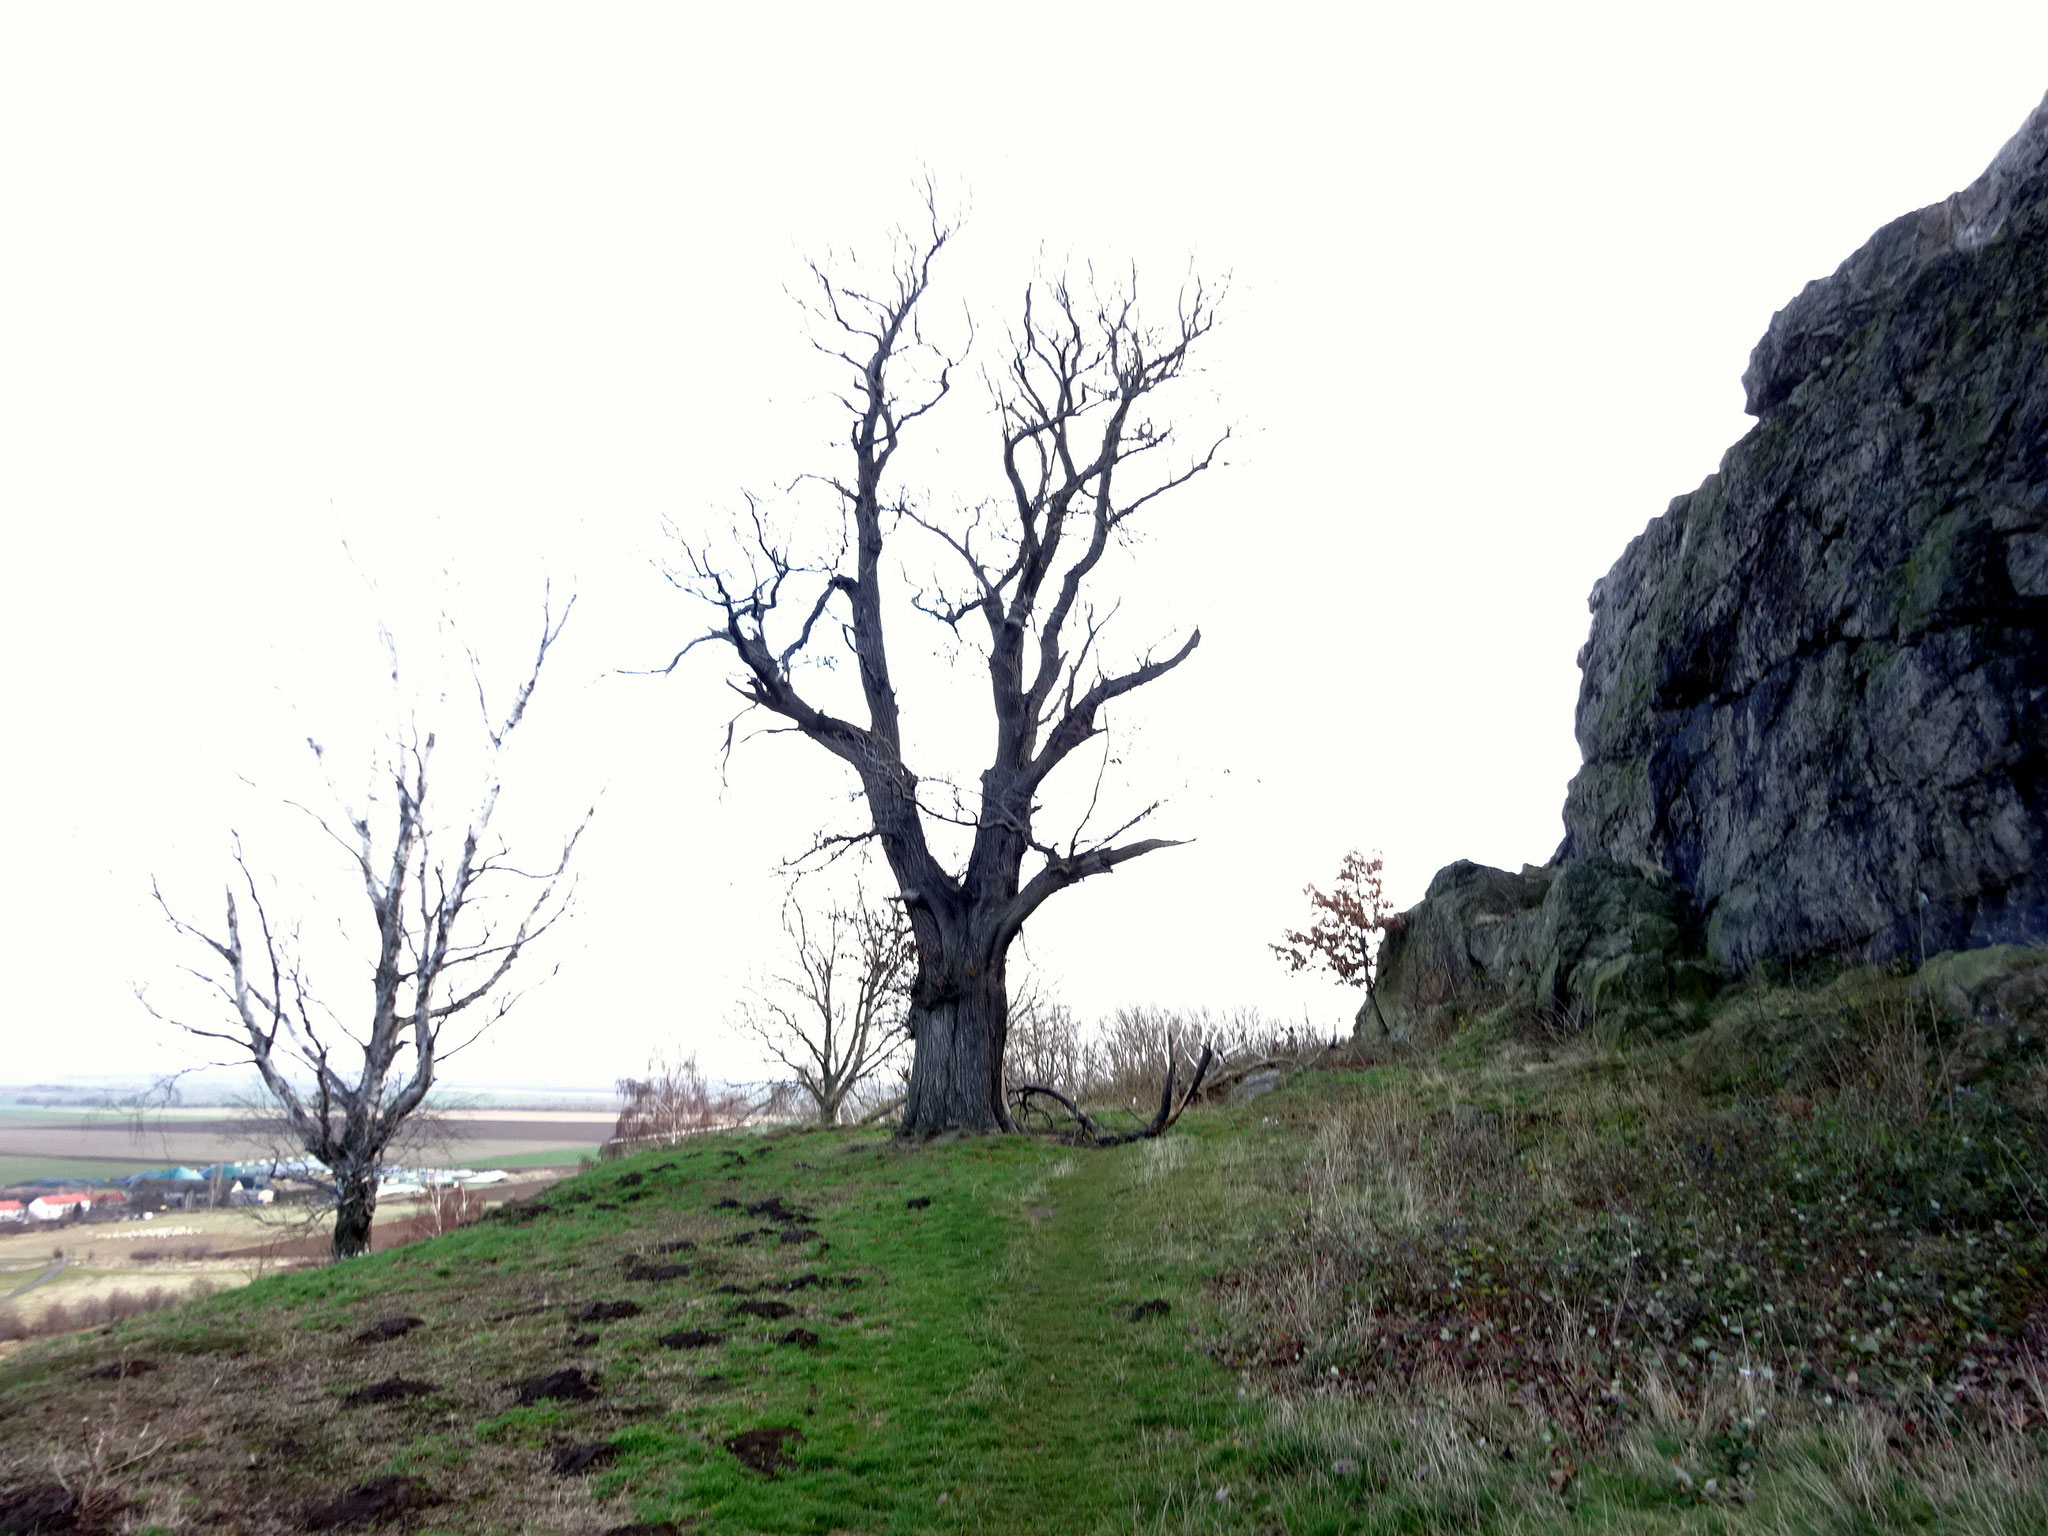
834, 1014
443, 946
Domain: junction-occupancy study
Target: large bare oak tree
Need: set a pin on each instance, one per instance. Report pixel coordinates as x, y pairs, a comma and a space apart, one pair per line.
1079, 453
452, 914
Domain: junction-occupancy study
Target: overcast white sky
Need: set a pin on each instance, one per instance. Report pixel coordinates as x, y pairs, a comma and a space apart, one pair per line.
489, 292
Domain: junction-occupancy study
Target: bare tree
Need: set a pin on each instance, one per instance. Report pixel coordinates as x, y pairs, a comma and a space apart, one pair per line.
833, 1015
1073, 399
445, 943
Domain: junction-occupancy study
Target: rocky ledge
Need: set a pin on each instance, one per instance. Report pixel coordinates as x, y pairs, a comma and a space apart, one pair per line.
1812, 706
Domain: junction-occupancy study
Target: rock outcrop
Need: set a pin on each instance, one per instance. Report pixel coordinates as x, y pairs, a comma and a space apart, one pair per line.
1816, 689
1814, 704
1592, 939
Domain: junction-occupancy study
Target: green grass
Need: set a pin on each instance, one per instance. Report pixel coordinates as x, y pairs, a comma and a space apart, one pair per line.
19, 1168
1344, 1265
563, 1157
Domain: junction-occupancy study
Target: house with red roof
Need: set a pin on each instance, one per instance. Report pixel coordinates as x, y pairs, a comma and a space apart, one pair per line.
13, 1210
57, 1207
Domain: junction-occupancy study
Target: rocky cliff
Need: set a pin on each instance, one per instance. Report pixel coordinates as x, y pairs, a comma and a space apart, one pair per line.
1814, 689
1814, 704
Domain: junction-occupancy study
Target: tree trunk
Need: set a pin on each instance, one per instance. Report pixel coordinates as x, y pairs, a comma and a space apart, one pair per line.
355, 1207
959, 1017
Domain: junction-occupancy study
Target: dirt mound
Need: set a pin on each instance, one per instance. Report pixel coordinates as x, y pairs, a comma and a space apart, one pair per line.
690, 1338
680, 1245
575, 1460
393, 1389
917, 1204
638, 1268
644, 1528
388, 1328
772, 1310
776, 1210
1156, 1307
38, 1507
801, 1338
119, 1370
570, 1386
378, 1499
766, 1450
608, 1311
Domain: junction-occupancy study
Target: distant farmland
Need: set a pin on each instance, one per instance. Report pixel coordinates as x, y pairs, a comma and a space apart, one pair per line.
91, 1144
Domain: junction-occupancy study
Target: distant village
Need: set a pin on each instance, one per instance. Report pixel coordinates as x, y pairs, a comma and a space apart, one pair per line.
143, 1196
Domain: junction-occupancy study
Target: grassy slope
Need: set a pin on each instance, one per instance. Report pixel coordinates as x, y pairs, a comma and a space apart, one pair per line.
977, 1368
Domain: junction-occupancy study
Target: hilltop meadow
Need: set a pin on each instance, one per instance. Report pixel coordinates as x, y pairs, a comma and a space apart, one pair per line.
1778, 1273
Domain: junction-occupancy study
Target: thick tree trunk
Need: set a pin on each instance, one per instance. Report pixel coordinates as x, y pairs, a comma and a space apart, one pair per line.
354, 1209
959, 1018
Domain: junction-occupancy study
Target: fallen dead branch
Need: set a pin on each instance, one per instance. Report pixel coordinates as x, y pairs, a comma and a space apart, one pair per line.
881, 1111
1095, 1131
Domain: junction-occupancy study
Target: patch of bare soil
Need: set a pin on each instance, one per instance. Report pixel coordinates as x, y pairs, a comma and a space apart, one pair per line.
766, 1450
639, 1269
690, 1338
39, 1507
570, 1386
608, 1311
575, 1460
388, 1328
774, 1311
379, 1499
392, 1389
120, 1370
801, 1338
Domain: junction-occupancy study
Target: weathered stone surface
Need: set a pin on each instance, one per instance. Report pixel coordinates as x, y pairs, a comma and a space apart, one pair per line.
1816, 689
1464, 947
1255, 1085
2006, 984
1998, 995
1591, 939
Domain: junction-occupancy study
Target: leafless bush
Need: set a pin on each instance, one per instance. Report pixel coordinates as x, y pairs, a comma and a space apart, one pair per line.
674, 1100
98, 1311
443, 1209
1122, 1061
1047, 1044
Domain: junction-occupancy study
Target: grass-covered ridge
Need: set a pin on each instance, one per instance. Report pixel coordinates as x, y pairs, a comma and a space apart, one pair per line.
1783, 1275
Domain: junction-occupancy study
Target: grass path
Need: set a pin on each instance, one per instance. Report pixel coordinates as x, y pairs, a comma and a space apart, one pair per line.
1001, 1382
1095, 1393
